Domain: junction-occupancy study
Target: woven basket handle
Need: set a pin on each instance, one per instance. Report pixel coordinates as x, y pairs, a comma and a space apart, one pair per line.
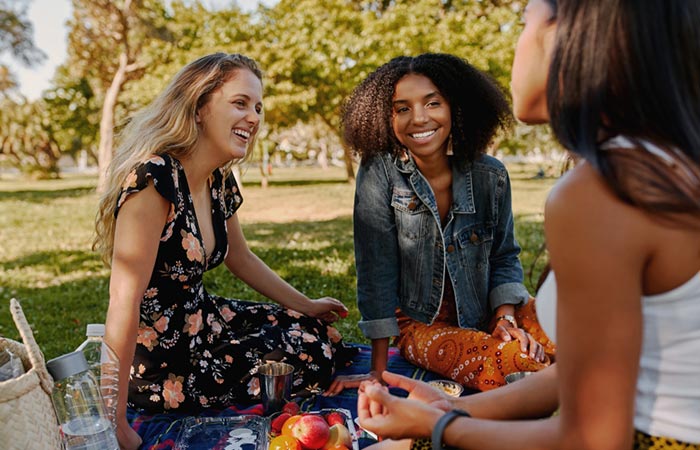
33, 351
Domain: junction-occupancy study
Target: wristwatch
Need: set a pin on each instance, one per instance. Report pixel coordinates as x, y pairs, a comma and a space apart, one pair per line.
442, 423
509, 318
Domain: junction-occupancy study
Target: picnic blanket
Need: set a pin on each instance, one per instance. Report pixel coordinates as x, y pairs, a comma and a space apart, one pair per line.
159, 432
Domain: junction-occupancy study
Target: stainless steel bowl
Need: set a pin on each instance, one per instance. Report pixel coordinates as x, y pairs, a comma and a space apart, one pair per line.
515, 376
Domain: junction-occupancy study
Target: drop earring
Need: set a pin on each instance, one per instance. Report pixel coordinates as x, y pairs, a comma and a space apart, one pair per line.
449, 151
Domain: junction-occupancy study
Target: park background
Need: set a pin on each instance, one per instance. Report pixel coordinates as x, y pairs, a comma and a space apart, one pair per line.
298, 184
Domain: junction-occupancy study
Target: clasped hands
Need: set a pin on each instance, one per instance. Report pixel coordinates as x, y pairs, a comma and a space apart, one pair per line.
395, 417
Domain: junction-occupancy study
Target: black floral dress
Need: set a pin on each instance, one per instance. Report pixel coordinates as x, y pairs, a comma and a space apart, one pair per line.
195, 350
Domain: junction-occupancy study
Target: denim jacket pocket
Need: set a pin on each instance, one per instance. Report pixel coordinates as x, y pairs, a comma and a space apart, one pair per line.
474, 249
412, 215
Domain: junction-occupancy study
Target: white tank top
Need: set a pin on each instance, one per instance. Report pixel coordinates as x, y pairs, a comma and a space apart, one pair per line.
668, 385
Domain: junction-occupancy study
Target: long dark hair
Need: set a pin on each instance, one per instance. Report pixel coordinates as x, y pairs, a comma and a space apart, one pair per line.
478, 106
632, 68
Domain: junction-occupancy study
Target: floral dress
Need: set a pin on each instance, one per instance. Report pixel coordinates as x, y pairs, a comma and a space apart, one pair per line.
195, 350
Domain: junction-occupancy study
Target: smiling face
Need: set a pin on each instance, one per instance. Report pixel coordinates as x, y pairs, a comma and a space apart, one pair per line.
231, 117
421, 117
533, 54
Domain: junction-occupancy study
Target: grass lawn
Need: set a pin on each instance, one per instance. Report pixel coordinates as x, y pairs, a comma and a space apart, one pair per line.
301, 225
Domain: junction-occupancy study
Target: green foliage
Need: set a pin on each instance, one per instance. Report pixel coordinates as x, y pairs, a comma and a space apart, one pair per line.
28, 138
313, 53
301, 226
76, 110
16, 32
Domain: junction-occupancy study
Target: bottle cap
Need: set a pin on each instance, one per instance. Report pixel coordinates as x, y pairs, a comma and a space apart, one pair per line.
66, 365
95, 329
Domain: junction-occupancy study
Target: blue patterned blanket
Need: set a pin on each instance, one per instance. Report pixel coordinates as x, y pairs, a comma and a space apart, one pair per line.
159, 432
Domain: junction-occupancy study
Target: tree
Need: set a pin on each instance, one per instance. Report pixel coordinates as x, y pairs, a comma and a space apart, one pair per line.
309, 50
110, 43
27, 138
16, 37
75, 111
315, 52
199, 32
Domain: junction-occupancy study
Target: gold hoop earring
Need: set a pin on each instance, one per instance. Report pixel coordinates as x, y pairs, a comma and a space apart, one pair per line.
449, 151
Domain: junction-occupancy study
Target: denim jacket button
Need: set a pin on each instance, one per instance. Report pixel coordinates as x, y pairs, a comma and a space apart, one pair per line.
450, 248
412, 206
474, 238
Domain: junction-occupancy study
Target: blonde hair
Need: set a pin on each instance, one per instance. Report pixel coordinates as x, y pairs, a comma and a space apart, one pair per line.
166, 126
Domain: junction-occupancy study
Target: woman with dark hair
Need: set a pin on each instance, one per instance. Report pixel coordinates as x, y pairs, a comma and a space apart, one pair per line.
623, 233
437, 262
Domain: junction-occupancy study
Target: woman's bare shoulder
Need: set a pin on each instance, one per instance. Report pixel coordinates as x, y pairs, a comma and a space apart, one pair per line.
584, 206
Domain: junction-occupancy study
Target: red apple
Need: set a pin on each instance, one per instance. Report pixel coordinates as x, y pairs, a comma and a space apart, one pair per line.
277, 422
335, 417
312, 431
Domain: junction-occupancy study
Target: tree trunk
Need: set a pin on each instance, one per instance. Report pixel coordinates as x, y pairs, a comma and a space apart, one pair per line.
104, 152
347, 154
349, 170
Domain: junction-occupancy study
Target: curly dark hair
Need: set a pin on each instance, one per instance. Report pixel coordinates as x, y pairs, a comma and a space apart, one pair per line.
478, 106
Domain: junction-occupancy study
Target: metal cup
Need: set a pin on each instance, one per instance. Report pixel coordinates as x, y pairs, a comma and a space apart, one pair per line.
515, 376
275, 385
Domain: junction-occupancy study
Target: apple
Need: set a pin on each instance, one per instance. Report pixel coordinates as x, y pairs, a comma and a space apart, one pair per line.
338, 435
335, 417
311, 431
278, 422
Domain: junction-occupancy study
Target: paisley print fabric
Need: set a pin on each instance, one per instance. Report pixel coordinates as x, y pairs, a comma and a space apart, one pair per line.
470, 357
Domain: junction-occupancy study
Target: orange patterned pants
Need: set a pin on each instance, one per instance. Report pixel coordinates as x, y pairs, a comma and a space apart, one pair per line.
471, 357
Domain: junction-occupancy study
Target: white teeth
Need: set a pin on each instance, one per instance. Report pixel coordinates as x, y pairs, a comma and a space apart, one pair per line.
243, 133
423, 134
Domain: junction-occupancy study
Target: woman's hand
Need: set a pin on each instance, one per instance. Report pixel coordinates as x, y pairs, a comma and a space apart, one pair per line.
327, 309
393, 417
420, 391
350, 382
126, 436
505, 331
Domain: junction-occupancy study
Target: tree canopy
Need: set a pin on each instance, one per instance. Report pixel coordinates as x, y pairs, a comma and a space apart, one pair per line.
121, 53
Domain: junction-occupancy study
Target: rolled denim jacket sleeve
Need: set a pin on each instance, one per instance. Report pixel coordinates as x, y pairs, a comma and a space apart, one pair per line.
506, 275
376, 252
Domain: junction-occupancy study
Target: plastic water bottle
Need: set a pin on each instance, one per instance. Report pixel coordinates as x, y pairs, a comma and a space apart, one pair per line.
104, 365
79, 406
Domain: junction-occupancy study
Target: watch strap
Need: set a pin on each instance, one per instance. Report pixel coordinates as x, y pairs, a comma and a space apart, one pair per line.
442, 423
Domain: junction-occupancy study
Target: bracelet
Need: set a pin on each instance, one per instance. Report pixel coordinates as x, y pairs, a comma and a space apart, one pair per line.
442, 423
509, 318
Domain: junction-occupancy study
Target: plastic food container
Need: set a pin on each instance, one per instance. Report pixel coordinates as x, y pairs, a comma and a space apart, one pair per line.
246, 432
224, 433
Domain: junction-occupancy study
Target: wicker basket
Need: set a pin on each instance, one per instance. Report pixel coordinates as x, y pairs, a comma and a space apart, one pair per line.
27, 418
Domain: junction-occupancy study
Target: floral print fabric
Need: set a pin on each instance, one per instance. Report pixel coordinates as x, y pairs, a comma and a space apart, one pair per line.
195, 350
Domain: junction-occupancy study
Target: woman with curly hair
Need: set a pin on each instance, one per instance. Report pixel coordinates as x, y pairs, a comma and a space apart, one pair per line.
169, 215
437, 261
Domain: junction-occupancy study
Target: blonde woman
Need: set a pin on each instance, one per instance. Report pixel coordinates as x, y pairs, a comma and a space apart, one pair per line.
169, 215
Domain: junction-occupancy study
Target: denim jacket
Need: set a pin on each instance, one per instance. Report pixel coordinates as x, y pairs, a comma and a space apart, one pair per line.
402, 252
